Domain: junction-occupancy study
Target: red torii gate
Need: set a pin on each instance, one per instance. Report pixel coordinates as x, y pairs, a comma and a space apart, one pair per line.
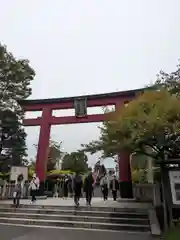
80, 104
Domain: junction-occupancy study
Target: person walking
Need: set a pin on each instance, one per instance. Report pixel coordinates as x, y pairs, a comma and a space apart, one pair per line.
34, 186
70, 186
18, 190
114, 186
88, 188
56, 188
104, 187
61, 187
65, 186
77, 186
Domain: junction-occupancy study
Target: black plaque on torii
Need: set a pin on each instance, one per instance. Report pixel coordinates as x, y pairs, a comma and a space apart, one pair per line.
80, 106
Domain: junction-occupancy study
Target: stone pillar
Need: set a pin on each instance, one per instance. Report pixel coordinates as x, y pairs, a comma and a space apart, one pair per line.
150, 176
125, 181
43, 148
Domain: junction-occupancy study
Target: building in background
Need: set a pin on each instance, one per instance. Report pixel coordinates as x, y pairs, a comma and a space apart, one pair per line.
110, 165
59, 162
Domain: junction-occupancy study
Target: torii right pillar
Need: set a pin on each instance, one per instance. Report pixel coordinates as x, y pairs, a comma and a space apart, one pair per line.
125, 180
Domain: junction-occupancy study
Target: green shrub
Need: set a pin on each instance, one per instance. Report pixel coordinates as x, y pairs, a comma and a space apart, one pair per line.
173, 233
4, 176
139, 176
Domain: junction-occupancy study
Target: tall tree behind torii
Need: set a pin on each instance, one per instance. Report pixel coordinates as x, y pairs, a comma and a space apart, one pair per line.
15, 79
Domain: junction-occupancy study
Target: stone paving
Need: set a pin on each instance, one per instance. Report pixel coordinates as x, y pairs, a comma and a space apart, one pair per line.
23, 233
96, 202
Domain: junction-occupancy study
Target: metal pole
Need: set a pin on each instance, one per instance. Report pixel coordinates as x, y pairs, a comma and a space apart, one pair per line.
164, 201
0, 136
165, 209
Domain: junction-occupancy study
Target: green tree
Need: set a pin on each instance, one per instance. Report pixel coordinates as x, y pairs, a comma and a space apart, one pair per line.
54, 154
138, 161
15, 78
148, 125
76, 162
32, 164
169, 81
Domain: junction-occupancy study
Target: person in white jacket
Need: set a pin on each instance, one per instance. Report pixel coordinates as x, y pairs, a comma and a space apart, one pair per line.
34, 186
104, 186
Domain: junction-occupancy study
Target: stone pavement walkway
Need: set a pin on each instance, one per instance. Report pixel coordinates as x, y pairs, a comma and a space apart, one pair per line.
96, 202
22, 233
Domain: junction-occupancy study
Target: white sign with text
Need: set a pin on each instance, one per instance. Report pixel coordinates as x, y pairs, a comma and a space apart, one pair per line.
174, 177
16, 170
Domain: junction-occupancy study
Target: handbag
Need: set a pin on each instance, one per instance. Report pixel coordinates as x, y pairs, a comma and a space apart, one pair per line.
14, 194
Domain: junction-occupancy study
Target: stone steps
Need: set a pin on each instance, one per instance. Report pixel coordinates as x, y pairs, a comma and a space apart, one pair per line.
103, 207
74, 224
99, 218
76, 218
77, 211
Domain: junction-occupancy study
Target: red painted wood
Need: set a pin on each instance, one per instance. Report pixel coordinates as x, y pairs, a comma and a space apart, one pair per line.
73, 119
43, 145
124, 167
66, 120
32, 122
69, 104
47, 120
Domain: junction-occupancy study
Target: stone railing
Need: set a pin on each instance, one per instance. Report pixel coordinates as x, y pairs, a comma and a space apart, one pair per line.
7, 189
147, 192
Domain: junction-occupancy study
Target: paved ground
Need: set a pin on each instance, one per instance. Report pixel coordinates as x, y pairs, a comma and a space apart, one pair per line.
22, 233
96, 202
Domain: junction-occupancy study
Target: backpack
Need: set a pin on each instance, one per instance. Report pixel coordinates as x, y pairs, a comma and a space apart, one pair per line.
78, 179
104, 181
18, 187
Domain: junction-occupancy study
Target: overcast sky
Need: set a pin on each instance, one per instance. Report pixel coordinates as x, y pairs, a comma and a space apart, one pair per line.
90, 46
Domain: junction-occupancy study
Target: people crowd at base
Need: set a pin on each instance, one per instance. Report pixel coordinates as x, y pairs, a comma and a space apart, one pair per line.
75, 186
63, 188
18, 189
70, 186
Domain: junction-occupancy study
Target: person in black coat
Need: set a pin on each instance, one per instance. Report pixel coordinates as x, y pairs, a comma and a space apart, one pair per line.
114, 186
65, 187
70, 186
77, 187
88, 188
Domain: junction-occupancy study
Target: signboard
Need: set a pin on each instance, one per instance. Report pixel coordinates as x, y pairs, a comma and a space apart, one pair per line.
16, 170
174, 177
80, 106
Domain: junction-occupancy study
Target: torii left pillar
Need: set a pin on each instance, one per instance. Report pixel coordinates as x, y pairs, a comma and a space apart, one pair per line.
43, 148
125, 180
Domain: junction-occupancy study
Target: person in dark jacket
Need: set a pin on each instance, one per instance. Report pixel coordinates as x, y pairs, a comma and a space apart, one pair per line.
88, 188
18, 190
77, 187
65, 187
114, 186
70, 186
